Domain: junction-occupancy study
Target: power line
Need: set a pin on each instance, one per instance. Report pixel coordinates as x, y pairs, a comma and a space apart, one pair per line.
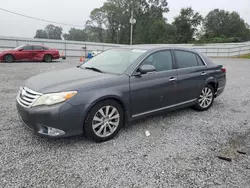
34, 18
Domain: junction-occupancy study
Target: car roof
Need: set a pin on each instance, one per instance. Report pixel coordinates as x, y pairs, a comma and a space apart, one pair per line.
153, 47
35, 45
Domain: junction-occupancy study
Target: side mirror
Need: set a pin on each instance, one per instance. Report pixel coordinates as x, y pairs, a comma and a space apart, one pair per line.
20, 49
144, 69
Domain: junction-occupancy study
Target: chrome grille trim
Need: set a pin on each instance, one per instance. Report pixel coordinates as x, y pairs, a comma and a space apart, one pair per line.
27, 97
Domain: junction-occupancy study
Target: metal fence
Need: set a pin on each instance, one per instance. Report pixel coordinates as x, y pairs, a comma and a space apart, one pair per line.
77, 49
67, 48
217, 50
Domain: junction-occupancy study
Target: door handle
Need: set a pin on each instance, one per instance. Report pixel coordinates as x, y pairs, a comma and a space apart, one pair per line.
203, 73
172, 79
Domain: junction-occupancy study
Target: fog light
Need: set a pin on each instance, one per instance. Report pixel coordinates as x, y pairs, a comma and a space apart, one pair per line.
55, 132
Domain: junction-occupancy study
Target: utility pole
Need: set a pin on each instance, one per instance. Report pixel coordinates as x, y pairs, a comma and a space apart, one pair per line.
132, 21
117, 37
118, 30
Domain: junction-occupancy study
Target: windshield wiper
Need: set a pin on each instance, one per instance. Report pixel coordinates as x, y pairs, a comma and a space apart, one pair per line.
94, 69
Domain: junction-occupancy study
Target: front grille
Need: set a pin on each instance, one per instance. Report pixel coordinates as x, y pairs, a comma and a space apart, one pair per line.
26, 97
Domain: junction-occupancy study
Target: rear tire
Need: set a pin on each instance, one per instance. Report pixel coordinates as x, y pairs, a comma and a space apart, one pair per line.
206, 98
47, 58
104, 121
8, 58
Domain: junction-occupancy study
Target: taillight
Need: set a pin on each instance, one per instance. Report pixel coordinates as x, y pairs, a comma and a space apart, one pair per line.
224, 70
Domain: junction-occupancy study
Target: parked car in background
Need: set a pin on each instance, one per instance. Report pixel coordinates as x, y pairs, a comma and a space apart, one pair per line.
29, 53
118, 86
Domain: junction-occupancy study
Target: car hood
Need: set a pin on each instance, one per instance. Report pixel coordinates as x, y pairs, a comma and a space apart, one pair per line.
63, 80
7, 51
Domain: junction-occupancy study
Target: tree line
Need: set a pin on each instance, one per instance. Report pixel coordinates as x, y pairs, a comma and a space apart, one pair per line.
110, 23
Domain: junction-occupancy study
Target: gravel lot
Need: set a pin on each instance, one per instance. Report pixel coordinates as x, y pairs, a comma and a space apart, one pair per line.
181, 151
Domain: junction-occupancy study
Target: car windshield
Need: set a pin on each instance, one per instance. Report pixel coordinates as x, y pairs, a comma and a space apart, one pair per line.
114, 61
19, 47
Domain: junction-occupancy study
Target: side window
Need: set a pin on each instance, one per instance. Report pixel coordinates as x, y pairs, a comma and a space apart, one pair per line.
200, 62
162, 60
38, 48
25, 48
185, 59
45, 48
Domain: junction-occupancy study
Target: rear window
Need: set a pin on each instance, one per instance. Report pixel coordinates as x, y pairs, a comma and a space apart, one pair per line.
187, 59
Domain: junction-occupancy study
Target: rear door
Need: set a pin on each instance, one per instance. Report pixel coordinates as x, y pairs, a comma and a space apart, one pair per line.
38, 52
153, 91
192, 74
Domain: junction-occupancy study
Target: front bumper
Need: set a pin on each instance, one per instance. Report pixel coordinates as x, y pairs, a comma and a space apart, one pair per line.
64, 117
1, 58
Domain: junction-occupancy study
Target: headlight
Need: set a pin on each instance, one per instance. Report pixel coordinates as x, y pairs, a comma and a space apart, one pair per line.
54, 98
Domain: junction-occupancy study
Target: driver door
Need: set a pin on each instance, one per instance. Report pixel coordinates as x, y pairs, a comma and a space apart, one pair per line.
154, 91
26, 53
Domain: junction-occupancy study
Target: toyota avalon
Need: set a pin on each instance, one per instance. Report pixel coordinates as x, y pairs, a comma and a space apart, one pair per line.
115, 87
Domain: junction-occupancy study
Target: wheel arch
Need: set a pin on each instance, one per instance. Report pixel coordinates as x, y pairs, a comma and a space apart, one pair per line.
213, 82
47, 54
109, 97
10, 54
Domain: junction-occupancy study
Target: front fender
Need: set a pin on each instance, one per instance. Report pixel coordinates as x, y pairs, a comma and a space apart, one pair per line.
87, 98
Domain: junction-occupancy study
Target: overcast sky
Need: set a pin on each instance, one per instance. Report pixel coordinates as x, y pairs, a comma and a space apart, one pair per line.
77, 12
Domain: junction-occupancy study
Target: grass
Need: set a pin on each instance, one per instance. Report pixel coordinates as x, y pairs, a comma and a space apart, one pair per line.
245, 56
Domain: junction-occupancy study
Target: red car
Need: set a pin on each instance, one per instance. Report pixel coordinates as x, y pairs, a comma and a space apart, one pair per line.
30, 53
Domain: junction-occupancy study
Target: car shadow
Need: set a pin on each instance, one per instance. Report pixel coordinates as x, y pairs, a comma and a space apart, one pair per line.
59, 61
68, 141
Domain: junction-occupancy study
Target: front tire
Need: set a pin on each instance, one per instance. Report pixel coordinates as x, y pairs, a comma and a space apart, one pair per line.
206, 99
47, 58
8, 58
104, 121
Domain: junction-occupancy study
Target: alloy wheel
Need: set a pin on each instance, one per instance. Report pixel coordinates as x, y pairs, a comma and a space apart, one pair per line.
8, 58
206, 97
106, 121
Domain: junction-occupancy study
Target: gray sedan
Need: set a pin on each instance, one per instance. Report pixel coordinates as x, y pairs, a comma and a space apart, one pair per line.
115, 87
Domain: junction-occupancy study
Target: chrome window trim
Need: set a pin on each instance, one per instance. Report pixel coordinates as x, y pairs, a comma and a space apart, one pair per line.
163, 108
196, 53
202, 59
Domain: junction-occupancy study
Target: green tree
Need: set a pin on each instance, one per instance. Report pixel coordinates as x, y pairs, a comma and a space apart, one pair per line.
219, 23
112, 21
54, 32
76, 35
50, 32
95, 26
41, 34
186, 25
